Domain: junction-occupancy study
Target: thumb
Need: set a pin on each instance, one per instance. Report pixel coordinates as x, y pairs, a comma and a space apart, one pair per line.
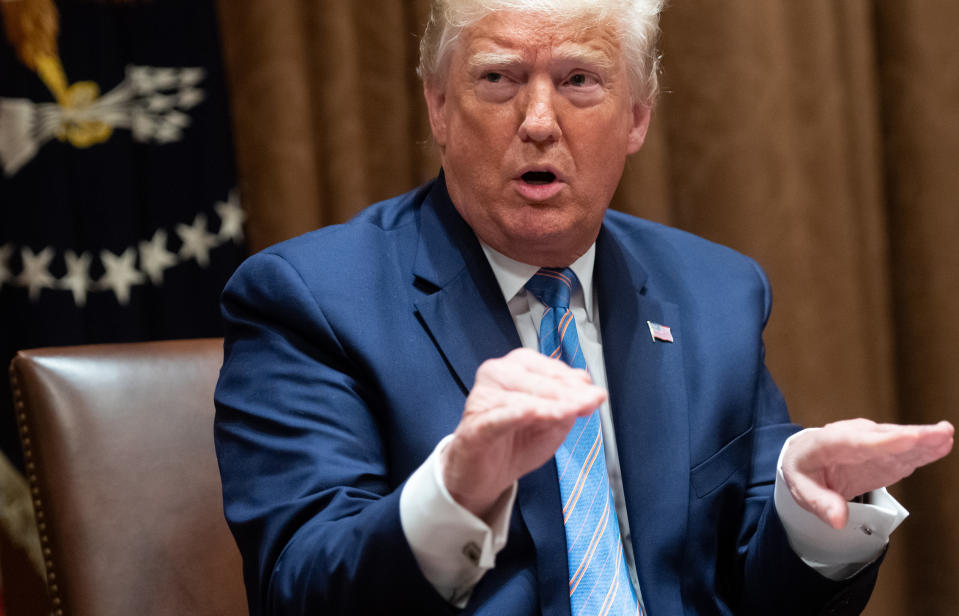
827, 505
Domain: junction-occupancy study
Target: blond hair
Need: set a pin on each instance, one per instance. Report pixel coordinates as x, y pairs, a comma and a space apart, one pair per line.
636, 21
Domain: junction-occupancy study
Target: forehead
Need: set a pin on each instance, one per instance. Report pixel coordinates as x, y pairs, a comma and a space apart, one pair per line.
531, 37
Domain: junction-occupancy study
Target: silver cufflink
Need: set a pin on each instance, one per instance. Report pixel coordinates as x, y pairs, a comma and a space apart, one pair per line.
472, 552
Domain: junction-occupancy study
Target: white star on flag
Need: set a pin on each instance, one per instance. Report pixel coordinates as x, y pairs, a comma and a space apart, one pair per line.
36, 271
154, 257
77, 278
231, 218
120, 274
197, 241
5, 274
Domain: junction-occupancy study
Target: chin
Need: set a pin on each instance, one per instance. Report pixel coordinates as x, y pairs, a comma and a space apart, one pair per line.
546, 247
545, 222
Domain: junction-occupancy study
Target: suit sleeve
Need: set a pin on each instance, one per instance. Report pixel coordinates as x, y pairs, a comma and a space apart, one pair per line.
775, 580
305, 482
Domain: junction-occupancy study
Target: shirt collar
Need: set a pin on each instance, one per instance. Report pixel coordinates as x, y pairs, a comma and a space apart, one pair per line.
512, 275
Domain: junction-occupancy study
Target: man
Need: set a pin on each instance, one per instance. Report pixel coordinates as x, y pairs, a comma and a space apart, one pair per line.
386, 446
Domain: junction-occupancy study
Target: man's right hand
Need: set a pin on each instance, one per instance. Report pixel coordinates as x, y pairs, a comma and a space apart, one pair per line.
518, 413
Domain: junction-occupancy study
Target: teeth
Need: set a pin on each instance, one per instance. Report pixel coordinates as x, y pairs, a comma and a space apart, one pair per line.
538, 177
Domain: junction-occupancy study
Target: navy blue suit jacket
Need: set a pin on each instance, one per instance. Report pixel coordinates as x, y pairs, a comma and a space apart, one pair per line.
349, 355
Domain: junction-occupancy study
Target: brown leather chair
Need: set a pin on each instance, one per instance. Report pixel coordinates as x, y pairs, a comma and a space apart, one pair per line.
118, 446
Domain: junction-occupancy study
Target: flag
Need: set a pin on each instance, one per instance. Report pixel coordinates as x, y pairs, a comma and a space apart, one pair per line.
659, 332
119, 214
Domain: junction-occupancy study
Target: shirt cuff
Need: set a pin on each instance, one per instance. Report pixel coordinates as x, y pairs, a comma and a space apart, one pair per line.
453, 547
838, 554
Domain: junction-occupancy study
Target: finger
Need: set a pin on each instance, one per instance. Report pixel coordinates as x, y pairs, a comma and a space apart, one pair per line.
923, 454
570, 403
929, 436
942, 427
545, 381
938, 435
534, 362
522, 410
491, 413
912, 446
934, 442
858, 441
498, 382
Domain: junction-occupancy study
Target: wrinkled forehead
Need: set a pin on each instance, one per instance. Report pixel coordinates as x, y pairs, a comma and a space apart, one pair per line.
530, 37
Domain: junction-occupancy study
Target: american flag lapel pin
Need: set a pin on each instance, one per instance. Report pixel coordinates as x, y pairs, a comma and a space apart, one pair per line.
660, 332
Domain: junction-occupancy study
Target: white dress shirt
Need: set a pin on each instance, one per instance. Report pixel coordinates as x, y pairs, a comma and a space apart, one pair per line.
454, 548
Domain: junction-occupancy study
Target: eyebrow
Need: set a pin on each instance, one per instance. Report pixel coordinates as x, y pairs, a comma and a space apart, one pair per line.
564, 53
483, 59
571, 52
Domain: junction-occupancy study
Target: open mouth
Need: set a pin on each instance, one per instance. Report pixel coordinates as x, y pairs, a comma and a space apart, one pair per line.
539, 177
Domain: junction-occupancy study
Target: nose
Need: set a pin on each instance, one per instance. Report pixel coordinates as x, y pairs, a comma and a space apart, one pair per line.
540, 124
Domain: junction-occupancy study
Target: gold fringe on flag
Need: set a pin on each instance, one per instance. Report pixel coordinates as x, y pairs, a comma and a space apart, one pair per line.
31, 27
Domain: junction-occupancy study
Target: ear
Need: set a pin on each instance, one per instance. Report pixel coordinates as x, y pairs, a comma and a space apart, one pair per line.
435, 95
640, 124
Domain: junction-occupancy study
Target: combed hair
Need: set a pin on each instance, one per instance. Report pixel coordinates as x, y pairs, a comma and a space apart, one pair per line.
636, 21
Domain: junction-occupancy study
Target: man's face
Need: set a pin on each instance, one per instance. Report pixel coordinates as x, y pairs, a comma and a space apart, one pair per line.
534, 123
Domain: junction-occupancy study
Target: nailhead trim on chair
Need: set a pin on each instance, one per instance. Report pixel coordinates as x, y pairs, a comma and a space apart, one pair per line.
30, 466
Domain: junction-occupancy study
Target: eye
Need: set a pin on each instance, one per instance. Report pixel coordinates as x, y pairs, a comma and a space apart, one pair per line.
583, 88
580, 80
494, 86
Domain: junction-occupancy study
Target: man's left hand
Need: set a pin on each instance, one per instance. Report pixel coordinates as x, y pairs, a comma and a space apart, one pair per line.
827, 467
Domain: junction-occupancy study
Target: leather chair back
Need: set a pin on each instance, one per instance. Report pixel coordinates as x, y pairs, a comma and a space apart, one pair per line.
118, 448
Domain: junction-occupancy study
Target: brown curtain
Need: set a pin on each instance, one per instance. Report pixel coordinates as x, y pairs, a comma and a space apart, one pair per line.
820, 137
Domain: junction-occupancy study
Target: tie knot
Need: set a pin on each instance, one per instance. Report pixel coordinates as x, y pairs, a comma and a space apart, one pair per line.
553, 286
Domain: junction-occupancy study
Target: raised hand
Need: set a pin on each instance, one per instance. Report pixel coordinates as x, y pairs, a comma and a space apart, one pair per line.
518, 413
825, 468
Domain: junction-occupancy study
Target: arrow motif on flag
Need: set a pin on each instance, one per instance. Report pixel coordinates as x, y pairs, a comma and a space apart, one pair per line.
151, 102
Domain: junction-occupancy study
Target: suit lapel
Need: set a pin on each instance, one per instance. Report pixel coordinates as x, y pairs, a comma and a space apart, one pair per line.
457, 298
459, 302
648, 401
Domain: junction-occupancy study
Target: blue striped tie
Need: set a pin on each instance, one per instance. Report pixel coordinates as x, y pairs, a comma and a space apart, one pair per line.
599, 582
